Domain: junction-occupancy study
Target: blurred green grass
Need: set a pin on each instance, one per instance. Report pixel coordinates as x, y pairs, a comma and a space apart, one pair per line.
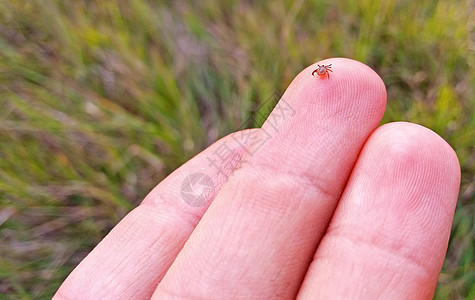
100, 100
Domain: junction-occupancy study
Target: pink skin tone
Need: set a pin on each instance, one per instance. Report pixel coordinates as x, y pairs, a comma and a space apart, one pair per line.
332, 206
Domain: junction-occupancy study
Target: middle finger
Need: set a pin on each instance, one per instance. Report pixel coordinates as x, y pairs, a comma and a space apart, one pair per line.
259, 235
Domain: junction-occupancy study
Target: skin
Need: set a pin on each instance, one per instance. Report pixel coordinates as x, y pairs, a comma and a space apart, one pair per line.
330, 206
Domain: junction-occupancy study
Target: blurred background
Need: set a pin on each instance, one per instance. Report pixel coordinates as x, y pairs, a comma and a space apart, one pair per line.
100, 100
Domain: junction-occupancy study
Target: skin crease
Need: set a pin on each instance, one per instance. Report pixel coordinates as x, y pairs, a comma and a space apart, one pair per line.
328, 206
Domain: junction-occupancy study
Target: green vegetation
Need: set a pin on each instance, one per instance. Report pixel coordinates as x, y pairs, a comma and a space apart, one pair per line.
100, 100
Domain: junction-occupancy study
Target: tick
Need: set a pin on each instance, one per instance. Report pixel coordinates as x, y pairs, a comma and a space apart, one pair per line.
322, 70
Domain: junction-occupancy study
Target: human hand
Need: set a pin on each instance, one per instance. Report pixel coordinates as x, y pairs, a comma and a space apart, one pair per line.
318, 203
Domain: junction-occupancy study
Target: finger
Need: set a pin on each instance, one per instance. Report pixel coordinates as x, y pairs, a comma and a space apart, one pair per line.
389, 234
134, 256
259, 235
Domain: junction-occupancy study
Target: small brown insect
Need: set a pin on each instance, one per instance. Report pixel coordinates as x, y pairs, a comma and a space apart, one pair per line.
322, 70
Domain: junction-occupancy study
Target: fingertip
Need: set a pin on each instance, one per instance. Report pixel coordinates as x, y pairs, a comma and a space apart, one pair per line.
353, 90
407, 148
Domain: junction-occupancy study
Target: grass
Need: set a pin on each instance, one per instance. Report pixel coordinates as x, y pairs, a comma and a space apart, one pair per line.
100, 100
